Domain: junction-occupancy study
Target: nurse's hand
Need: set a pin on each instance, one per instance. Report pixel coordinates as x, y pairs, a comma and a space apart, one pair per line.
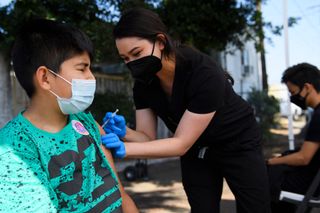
112, 141
115, 124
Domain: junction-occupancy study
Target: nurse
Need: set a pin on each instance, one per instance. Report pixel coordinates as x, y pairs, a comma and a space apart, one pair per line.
214, 130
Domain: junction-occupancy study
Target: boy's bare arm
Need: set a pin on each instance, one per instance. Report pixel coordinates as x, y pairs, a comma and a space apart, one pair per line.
128, 205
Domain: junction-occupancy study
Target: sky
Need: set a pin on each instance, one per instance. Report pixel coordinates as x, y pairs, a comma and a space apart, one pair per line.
304, 38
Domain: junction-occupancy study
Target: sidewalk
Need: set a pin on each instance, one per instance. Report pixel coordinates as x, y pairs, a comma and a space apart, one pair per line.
163, 192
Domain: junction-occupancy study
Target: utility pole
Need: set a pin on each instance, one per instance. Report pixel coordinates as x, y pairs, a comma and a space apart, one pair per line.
286, 49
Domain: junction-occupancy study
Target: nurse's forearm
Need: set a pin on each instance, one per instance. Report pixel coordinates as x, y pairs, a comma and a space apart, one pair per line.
168, 147
135, 136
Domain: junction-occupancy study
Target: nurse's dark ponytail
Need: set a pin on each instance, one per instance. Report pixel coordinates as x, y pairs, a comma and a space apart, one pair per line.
229, 77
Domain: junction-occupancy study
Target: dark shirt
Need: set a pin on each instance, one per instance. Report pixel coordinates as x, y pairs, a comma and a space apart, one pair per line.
313, 135
200, 86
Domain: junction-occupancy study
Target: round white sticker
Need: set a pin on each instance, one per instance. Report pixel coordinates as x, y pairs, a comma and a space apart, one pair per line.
78, 126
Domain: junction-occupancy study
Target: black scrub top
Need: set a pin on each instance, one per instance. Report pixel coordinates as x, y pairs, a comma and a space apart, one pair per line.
200, 86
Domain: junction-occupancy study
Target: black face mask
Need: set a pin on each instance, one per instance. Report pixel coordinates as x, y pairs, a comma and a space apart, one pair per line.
298, 100
144, 69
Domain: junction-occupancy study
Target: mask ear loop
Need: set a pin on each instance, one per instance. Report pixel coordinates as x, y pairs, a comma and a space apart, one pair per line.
56, 74
154, 44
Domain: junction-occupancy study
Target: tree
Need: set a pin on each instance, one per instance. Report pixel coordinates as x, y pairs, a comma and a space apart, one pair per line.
94, 20
265, 107
208, 24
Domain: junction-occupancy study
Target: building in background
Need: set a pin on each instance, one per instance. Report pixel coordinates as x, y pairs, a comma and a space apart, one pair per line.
245, 68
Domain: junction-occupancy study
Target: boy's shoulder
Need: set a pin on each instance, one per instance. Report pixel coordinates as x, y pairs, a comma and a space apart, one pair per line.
15, 135
11, 129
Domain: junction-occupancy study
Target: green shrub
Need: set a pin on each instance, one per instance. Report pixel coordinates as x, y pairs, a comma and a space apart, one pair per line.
265, 107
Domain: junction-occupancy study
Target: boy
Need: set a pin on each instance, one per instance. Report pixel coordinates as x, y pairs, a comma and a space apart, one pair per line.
51, 158
294, 172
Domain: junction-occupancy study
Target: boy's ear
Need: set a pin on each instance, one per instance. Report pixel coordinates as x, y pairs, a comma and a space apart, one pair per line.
42, 77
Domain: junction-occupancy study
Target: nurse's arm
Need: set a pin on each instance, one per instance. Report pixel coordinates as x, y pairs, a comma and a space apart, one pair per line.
146, 127
190, 128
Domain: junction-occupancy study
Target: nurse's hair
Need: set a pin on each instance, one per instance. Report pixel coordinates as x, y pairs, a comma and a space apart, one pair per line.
302, 73
143, 23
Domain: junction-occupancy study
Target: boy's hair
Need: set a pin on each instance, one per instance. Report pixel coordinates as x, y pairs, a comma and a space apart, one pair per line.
47, 43
302, 73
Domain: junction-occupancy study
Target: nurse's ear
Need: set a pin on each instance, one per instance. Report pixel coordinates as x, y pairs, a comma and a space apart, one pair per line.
161, 40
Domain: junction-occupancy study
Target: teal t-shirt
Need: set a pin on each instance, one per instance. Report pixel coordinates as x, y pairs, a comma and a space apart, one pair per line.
48, 172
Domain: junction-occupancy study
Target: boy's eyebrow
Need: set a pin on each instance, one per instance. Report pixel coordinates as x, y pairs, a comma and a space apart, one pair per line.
82, 64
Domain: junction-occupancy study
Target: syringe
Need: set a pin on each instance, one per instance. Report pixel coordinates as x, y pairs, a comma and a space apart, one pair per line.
113, 114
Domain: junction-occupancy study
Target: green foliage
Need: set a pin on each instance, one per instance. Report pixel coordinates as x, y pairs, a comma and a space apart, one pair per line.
265, 107
207, 24
109, 102
87, 15
123, 5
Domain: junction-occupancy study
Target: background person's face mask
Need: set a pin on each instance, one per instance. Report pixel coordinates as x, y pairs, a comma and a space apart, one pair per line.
298, 100
82, 95
144, 69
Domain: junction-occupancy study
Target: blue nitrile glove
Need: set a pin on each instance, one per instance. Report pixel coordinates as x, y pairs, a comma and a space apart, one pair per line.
112, 141
116, 124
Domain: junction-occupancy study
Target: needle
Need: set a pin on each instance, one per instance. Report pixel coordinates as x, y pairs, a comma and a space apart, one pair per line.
113, 114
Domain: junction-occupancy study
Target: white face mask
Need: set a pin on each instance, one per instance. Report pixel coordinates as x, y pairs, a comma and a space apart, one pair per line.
82, 95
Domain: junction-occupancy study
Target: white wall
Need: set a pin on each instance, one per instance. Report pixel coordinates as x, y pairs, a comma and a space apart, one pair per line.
239, 61
5, 93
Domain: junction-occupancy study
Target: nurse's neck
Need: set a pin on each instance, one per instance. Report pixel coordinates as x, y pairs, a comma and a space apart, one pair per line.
166, 75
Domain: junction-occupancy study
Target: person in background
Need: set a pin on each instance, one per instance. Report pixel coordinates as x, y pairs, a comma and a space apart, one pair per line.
215, 131
51, 158
294, 171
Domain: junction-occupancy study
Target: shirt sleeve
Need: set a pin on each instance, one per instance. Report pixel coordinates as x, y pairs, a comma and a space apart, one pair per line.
207, 89
313, 133
139, 96
21, 188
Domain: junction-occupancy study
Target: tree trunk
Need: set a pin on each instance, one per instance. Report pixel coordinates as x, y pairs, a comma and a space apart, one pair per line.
262, 50
264, 68
5, 92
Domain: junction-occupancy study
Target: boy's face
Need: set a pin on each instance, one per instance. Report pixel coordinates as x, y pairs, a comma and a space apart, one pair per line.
77, 67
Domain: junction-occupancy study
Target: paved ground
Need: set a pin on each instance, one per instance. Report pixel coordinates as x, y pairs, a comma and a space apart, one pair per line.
163, 192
